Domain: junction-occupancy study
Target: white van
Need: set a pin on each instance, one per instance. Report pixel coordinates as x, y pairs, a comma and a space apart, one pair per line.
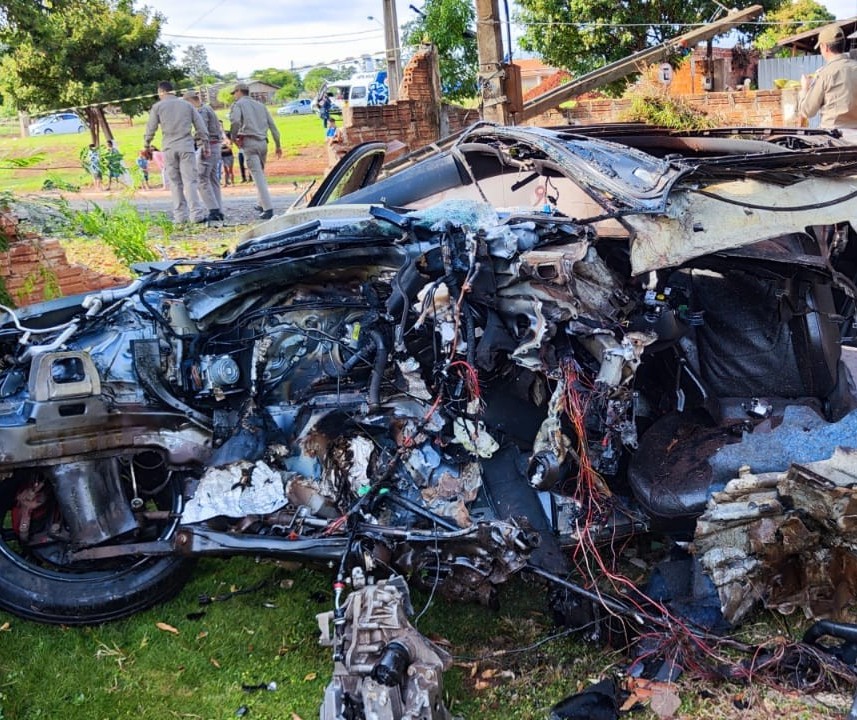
360, 90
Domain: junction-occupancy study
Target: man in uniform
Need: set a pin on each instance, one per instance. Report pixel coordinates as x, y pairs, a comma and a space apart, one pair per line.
250, 122
209, 183
176, 118
833, 91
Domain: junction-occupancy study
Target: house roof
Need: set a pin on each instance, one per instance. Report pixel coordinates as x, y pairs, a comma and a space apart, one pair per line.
806, 40
533, 66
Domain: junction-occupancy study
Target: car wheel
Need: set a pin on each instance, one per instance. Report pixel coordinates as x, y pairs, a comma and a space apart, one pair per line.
294, 112
80, 128
48, 132
38, 581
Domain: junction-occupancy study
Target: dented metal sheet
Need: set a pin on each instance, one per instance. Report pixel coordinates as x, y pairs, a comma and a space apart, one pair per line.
735, 214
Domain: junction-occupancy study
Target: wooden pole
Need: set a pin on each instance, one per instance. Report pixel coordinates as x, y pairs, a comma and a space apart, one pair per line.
393, 51
489, 44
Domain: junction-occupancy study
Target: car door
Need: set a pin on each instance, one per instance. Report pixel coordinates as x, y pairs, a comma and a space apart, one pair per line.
357, 169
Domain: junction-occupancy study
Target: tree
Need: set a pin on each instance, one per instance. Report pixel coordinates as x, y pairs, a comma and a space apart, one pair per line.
288, 82
447, 24
26, 15
584, 35
195, 63
791, 19
87, 56
316, 77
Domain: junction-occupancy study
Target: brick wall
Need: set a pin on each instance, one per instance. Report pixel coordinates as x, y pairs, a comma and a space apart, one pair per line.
417, 118
32, 265
757, 108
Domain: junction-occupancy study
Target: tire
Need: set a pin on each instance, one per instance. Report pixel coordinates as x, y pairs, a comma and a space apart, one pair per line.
34, 587
48, 132
80, 129
295, 112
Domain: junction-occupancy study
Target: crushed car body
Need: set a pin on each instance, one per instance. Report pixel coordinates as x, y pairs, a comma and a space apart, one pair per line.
494, 357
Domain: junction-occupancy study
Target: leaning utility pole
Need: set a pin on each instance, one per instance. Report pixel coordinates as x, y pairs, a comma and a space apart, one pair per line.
393, 51
489, 44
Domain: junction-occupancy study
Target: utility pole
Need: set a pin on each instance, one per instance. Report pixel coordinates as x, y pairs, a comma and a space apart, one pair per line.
489, 44
393, 51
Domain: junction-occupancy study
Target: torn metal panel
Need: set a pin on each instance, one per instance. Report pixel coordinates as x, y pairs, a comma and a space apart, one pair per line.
736, 214
243, 488
786, 540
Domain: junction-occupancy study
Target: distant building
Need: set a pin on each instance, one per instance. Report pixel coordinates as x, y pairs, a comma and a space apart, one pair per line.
261, 91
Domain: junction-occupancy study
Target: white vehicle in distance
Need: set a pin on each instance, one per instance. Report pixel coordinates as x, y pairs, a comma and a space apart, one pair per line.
302, 106
57, 124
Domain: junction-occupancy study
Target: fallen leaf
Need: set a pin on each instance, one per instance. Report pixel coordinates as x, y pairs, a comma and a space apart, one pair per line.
295, 716
310, 676
202, 634
482, 685
665, 703
5, 627
287, 584
166, 628
488, 674
214, 662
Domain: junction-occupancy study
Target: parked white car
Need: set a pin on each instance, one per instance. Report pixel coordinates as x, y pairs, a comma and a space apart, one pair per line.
296, 107
57, 124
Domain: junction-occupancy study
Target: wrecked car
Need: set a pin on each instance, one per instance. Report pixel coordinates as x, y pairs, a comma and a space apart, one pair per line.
505, 354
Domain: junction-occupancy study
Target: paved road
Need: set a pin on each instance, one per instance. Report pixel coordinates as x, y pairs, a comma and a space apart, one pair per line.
238, 201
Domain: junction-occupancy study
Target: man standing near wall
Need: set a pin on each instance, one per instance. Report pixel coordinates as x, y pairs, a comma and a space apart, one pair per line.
176, 118
833, 91
250, 122
209, 183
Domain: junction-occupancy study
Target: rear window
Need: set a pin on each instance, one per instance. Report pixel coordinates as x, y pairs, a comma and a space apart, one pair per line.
358, 92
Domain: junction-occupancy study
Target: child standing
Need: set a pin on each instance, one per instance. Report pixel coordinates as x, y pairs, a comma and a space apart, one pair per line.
143, 164
114, 164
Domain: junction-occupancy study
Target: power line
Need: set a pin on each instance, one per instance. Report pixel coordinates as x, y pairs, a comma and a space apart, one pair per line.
256, 40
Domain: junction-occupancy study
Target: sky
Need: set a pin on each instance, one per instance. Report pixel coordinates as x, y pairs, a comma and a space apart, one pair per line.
245, 35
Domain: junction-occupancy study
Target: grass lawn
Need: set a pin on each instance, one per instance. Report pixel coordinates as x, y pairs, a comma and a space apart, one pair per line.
187, 660
58, 155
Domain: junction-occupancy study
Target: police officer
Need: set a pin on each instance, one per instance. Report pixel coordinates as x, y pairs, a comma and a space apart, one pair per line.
176, 118
250, 122
833, 91
209, 183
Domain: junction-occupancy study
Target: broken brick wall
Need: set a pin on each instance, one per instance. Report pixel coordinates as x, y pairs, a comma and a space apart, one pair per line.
35, 269
417, 118
753, 108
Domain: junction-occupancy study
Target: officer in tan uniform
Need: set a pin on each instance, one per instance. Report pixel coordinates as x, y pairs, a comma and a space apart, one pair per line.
250, 123
209, 184
832, 92
176, 118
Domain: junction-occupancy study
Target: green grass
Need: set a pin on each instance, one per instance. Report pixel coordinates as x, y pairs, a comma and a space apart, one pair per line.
61, 152
132, 669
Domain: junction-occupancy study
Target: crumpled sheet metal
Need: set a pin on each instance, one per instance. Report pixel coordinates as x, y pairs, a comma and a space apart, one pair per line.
236, 490
698, 225
794, 546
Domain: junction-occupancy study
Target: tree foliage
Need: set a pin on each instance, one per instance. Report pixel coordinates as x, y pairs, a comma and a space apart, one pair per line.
26, 15
448, 25
791, 19
195, 63
316, 77
85, 55
584, 35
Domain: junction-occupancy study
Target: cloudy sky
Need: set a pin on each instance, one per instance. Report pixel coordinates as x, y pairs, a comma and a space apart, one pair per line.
245, 35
